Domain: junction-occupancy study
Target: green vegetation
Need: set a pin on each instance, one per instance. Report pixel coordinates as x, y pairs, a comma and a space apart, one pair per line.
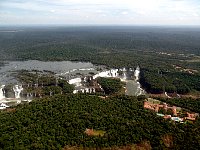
159, 82
110, 85
189, 103
60, 121
155, 50
41, 84
53, 123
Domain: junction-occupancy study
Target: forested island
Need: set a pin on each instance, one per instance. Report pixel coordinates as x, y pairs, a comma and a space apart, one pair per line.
169, 64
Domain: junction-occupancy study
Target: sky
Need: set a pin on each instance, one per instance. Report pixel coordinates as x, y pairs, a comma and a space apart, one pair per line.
100, 12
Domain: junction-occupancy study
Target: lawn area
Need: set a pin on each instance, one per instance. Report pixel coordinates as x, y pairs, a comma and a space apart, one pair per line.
92, 132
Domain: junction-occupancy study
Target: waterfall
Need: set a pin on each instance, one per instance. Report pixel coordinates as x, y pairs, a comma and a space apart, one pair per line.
2, 92
124, 76
27, 95
137, 73
17, 89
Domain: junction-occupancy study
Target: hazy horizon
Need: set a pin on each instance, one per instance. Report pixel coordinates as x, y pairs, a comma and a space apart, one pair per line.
99, 25
100, 12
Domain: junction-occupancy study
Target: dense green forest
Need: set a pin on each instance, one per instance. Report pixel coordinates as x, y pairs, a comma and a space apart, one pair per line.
154, 49
156, 81
110, 85
59, 121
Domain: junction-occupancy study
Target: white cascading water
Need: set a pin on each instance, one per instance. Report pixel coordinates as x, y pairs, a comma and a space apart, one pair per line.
137, 73
124, 76
108, 73
2, 93
75, 81
139, 91
17, 89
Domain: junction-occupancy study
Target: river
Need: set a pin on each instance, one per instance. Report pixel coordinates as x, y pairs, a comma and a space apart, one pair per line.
57, 67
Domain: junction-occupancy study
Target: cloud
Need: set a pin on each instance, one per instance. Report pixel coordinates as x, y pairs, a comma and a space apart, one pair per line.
101, 11
196, 15
124, 13
53, 11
